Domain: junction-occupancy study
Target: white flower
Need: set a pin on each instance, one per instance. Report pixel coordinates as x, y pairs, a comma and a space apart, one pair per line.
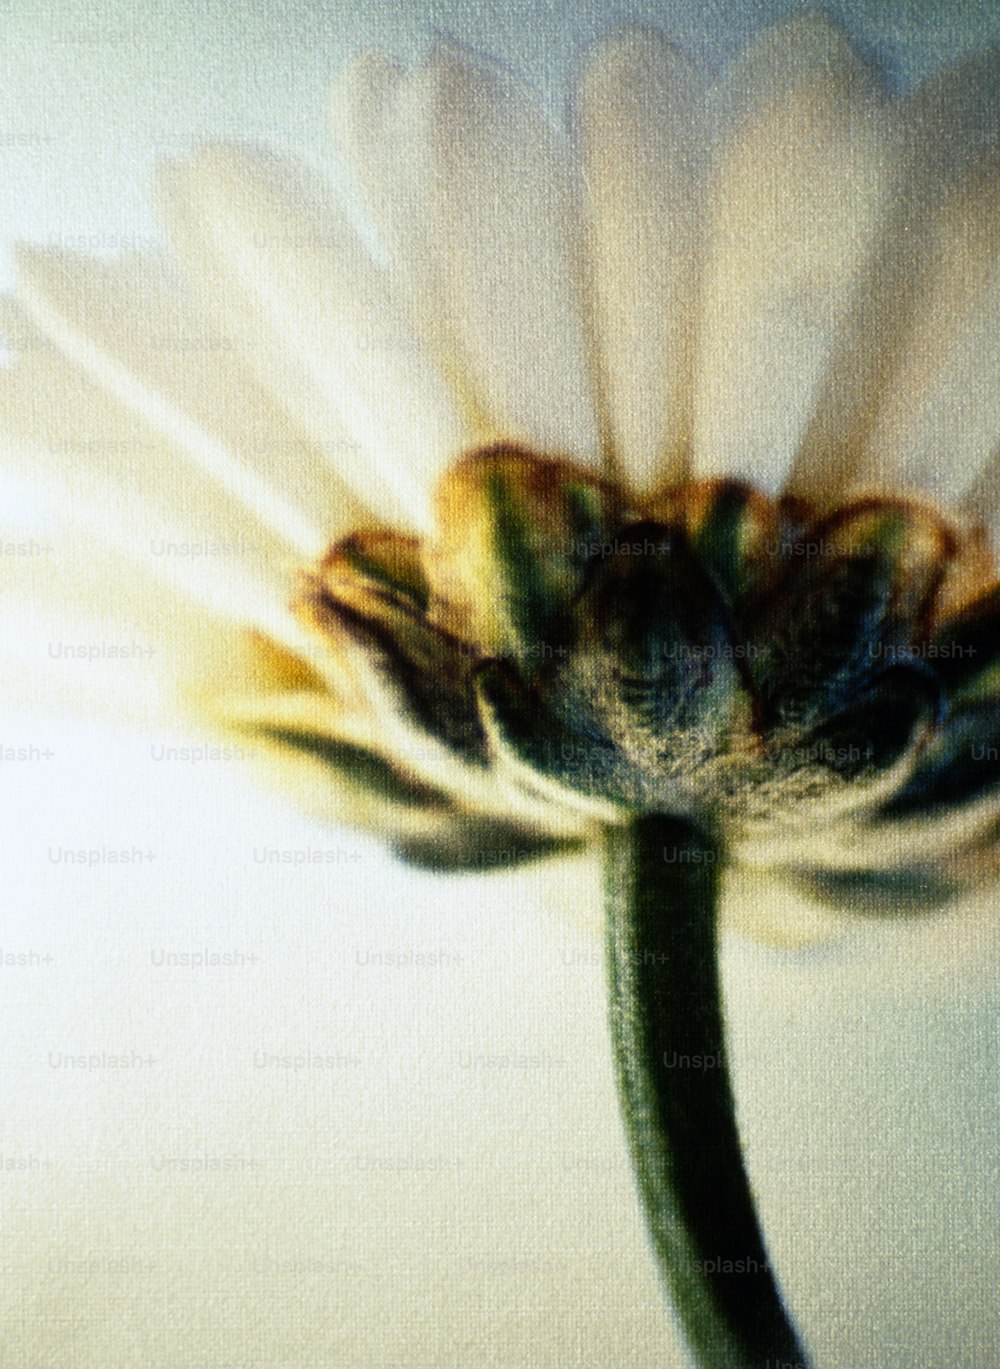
782, 276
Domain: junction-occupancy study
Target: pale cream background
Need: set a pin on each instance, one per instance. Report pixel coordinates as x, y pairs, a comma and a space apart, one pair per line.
406, 1208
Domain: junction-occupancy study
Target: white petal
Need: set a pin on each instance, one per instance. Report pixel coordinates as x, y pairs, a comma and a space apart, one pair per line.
941, 133
952, 125
113, 490
113, 552
127, 328
940, 422
799, 195
362, 110
96, 627
474, 193
334, 344
61, 427
953, 121
756, 905
643, 122
93, 630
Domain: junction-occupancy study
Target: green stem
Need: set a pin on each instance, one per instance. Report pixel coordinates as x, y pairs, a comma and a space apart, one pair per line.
668, 1034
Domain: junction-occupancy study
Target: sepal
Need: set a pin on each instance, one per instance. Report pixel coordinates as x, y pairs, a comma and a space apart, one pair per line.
965, 650
369, 596
515, 537
862, 601
733, 529
961, 766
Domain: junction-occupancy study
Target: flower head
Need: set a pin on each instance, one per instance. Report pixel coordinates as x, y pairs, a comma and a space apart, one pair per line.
567, 656
613, 474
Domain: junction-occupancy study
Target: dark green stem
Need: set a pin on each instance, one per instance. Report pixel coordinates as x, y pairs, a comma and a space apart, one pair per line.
668, 1034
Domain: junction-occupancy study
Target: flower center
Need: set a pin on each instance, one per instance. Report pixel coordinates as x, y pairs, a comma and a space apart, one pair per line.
706, 651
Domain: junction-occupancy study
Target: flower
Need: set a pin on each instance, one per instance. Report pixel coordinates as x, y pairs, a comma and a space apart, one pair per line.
738, 338
790, 682
731, 333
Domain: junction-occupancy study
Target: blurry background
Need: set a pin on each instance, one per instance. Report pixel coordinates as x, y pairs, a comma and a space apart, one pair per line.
366, 1117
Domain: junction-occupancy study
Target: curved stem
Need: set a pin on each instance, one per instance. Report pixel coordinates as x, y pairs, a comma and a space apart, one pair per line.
662, 879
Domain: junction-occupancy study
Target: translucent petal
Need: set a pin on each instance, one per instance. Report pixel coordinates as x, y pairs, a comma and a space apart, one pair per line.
39, 677
64, 430
947, 132
338, 349
116, 554
799, 195
756, 905
127, 328
90, 631
473, 192
643, 123
940, 422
